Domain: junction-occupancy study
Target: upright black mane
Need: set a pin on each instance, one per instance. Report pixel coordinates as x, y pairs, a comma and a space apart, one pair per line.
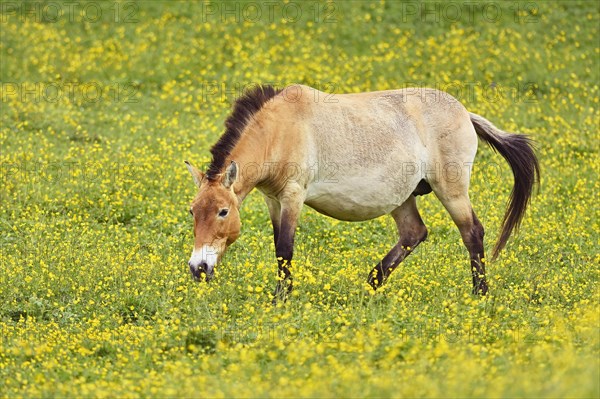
243, 109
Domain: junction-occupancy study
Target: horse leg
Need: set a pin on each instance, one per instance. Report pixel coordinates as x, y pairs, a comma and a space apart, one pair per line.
471, 231
275, 214
412, 232
291, 206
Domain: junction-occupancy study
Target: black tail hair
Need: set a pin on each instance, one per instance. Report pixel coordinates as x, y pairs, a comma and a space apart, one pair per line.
519, 152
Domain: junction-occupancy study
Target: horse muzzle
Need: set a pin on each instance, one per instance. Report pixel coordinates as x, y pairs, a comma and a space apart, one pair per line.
198, 271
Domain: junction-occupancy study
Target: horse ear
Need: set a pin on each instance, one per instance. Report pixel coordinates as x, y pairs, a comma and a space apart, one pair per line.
196, 174
230, 174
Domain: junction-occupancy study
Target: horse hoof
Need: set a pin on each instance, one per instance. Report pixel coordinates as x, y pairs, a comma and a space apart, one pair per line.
374, 281
278, 298
480, 289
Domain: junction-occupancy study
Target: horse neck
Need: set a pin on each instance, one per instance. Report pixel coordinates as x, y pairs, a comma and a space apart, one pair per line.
249, 153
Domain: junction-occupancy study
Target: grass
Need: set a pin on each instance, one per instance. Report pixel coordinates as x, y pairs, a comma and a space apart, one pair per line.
100, 110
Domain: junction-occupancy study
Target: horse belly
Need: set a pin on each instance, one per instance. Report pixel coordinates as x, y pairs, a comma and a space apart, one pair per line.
355, 199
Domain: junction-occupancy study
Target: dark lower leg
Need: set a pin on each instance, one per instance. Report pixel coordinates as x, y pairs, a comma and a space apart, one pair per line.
412, 232
399, 252
284, 284
473, 240
284, 250
382, 271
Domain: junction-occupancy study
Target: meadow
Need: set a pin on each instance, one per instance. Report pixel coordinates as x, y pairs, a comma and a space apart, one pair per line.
102, 101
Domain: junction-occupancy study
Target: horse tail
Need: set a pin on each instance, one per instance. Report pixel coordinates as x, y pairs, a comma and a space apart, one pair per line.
518, 150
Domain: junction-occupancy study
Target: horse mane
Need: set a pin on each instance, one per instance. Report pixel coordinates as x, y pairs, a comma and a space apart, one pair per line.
244, 108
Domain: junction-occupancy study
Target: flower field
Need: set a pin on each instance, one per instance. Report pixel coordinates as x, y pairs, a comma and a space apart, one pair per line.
101, 102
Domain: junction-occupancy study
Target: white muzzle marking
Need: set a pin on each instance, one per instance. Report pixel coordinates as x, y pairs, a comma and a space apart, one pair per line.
208, 255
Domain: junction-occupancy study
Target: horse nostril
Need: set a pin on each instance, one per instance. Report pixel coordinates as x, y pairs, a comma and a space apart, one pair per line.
194, 270
197, 269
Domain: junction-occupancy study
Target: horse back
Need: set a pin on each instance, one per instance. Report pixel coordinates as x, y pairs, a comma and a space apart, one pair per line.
364, 130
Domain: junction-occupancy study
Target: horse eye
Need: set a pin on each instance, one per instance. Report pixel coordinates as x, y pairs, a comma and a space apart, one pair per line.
191, 213
223, 212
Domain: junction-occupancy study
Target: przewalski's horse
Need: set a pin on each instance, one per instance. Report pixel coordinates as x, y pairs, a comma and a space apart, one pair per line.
353, 157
